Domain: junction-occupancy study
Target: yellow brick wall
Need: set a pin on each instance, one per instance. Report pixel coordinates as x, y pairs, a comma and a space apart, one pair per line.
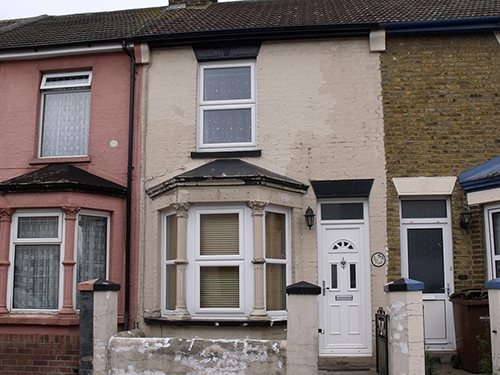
441, 99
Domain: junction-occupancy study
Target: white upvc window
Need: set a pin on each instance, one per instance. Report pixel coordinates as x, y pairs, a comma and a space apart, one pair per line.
227, 106
219, 257
168, 257
92, 248
36, 252
492, 219
220, 275
277, 255
65, 114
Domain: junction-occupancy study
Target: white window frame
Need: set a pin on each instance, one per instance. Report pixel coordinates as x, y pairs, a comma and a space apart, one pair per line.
425, 223
60, 240
47, 89
278, 314
489, 210
108, 231
242, 260
165, 262
205, 105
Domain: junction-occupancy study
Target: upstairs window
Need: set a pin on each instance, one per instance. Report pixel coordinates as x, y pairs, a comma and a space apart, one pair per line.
65, 114
226, 117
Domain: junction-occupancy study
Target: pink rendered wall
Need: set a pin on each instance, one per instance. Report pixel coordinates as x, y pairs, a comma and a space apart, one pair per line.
20, 113
20, 100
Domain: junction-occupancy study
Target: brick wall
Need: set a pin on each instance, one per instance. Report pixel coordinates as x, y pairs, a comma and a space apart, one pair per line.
23, 354
441, 98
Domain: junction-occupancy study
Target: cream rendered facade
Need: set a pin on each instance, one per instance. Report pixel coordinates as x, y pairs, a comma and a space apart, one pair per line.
319, 117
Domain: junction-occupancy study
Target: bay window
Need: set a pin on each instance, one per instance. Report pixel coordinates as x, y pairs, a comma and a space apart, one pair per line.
221, 272
38, 251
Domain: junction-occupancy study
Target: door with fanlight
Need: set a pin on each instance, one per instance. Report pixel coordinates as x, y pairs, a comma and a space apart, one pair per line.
345, 279
426, 256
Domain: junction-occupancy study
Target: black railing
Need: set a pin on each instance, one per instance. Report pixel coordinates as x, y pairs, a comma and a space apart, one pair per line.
382, 344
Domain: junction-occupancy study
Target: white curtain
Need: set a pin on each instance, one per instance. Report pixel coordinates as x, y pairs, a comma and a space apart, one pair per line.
92, 247
36, 277
66, 118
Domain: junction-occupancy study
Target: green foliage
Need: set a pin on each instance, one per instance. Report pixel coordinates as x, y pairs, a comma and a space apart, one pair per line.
485, 361
430, 363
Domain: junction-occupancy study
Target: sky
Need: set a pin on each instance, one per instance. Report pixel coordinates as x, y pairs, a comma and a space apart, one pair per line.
31, 8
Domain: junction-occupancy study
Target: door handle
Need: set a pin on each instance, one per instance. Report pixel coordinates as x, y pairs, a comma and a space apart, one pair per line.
447, 289
325, 288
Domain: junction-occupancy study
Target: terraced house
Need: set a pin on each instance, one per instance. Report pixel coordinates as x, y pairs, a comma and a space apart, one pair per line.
249, 116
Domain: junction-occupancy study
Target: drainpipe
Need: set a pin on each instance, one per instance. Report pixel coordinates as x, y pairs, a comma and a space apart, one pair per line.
130, 169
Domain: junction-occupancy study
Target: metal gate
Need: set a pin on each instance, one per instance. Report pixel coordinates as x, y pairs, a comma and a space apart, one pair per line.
382, 344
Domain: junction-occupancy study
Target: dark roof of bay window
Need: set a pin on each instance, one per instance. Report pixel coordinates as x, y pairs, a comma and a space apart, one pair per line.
61, 177
226, 171
483, 177
248, 17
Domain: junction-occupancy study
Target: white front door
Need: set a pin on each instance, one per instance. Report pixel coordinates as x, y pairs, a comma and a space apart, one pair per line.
344, 275
426, 256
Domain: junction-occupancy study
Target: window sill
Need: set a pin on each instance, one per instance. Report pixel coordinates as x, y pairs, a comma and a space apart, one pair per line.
40, 319
226, 154
216, 323
76, 159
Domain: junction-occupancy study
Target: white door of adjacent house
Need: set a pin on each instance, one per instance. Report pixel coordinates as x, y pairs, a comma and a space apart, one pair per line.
344, 275
426, 256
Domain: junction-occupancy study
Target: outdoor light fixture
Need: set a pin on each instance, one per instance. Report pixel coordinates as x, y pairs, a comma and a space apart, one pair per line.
465, 218
309, 217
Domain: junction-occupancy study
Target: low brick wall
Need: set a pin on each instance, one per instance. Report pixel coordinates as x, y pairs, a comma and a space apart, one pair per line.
196, 356
38, 354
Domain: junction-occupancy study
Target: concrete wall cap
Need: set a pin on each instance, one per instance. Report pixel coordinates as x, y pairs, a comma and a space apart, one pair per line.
98, 285
303, 287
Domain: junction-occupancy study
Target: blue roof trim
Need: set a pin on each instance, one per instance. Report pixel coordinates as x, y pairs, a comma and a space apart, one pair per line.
492, 284
451, 25
483, 177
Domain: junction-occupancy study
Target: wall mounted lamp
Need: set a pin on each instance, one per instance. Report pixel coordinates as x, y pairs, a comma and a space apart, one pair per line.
309, 217
465, 218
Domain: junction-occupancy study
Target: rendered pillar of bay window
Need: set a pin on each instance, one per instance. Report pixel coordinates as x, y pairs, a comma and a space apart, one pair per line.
258, 207
5, 225
493, 287
69, 259
181, 262
406, 327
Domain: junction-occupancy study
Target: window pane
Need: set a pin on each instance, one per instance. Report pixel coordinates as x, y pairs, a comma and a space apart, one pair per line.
91, 249
38, 227
335, 279
227, 125
171, 245
65, 123
496, 232
171, 273
67, 81
36, 277
227, 83
425, 258
92, 246
275, 236
275, 286
220, 287
219, 234
352, 274
342, 211
423, 209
